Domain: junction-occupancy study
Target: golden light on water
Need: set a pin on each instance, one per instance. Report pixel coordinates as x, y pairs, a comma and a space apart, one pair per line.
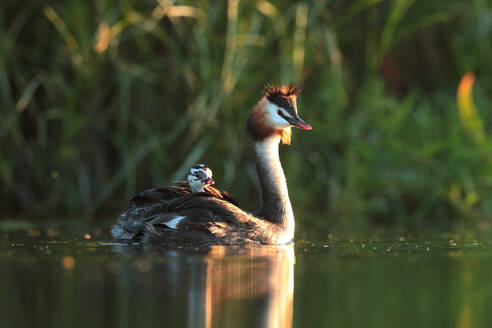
266, 272
51, 232
33, 233
144, 265
68, 262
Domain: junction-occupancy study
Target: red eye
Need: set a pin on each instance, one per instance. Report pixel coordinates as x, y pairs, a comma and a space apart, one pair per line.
279, 112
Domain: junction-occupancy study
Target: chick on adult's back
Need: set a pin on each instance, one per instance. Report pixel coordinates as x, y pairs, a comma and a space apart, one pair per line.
149, 206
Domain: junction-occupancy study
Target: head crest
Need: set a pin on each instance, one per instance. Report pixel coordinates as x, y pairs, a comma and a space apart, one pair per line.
199, 166
274, 90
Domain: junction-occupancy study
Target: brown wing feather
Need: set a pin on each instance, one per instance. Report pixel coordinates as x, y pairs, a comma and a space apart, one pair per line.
156, 195
228, 197
224, 195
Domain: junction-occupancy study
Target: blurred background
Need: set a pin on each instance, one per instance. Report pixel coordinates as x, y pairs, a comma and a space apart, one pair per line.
100, 99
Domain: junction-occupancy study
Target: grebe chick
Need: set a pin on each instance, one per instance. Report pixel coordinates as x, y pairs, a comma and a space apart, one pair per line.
200, 181
199, 218
200, 176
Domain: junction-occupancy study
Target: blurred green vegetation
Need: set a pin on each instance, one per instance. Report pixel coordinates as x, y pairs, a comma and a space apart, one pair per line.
99, 99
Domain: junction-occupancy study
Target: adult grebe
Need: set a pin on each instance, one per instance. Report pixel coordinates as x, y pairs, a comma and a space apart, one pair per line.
194, 218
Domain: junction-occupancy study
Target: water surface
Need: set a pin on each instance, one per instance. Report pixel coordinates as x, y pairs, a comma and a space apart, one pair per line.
58, 277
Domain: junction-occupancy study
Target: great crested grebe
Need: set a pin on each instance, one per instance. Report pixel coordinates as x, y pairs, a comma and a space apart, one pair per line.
196, 218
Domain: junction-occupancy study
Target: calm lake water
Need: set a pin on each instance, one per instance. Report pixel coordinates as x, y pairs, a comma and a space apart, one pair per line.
52, 277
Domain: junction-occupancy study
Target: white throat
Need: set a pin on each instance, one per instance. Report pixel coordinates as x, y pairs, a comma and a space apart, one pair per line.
276, 205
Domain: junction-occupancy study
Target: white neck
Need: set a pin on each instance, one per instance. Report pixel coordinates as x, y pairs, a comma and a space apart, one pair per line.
276, 206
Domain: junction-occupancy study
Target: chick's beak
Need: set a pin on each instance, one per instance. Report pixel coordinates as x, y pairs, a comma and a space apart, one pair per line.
299, 123
210, 181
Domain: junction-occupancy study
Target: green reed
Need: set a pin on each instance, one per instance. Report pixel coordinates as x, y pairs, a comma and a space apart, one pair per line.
99, 99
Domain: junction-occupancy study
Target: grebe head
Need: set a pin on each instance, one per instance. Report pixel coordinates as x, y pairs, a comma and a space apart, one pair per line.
200, 176
275, 114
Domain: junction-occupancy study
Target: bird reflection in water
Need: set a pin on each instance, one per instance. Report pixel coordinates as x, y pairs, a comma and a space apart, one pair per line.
216, 286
